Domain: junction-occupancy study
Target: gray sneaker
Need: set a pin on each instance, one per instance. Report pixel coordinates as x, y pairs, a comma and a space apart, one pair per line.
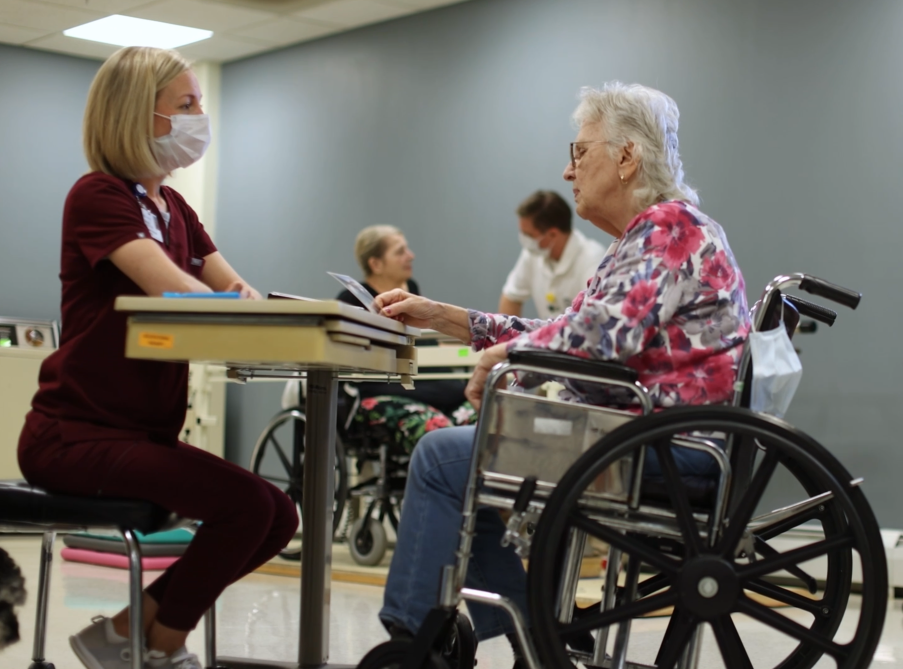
99, 647
181, 659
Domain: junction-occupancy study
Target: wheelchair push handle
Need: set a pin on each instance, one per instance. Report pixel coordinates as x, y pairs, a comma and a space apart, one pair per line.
845, 296
812, 310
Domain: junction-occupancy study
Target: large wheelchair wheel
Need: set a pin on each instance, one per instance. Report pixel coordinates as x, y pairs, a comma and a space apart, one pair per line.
277, 460
717, 583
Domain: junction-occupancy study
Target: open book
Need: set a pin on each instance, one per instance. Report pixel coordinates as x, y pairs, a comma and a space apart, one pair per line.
350, 284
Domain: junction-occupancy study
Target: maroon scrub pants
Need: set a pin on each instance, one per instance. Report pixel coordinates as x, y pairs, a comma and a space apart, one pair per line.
246, 521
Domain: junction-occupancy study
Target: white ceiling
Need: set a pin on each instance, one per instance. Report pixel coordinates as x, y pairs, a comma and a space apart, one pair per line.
240, 27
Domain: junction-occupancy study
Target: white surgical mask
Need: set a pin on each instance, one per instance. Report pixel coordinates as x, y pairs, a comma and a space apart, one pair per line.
776, 371
531, 246
185, 143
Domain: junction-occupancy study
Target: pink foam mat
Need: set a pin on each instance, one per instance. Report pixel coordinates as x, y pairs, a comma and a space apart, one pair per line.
113, 560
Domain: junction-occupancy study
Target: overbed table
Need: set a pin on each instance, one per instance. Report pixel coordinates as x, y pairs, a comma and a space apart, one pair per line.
284, 338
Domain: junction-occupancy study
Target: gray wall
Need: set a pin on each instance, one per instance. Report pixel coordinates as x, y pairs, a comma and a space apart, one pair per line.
442, 122
42, 100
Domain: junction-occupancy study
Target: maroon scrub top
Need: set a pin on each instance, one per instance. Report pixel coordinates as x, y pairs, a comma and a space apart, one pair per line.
88, 387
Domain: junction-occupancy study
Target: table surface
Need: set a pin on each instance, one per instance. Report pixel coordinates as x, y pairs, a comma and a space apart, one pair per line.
326, 308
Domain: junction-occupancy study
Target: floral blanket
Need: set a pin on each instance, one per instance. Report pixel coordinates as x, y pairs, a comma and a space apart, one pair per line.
405, 421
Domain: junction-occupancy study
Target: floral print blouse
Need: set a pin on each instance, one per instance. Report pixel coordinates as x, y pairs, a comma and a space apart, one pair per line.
668, 301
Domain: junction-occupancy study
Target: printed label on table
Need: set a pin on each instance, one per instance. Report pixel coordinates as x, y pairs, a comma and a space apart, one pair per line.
154, 340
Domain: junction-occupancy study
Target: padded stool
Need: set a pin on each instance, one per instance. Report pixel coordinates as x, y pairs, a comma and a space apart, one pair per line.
23, 506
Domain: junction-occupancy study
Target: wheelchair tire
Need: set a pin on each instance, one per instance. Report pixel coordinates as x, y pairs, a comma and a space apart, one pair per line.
461, 649
392, 654
847, 522
367, 543
285, 469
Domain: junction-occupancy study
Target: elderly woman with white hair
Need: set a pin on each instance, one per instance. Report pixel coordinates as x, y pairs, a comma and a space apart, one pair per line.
667, 300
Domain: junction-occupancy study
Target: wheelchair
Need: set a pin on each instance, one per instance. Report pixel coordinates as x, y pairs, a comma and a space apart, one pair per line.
703, 549
278, 457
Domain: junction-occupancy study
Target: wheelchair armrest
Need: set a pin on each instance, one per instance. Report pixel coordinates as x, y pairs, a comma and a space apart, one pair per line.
562, 363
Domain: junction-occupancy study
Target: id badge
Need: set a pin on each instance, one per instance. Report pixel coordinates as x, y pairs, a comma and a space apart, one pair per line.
153, 225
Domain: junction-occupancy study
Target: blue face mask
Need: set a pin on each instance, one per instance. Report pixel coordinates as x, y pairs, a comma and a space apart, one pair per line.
776, 371
185, 144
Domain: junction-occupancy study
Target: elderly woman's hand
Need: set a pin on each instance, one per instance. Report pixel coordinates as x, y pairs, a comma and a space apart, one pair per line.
490, 358
409, 309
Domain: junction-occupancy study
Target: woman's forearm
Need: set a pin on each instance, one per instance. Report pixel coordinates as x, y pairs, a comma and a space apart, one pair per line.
452, 321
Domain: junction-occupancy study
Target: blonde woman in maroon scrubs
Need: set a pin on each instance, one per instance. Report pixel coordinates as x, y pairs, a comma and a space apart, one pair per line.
105, 425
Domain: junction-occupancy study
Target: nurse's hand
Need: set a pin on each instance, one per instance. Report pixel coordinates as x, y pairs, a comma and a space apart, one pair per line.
412, 310
245, 291
490, 358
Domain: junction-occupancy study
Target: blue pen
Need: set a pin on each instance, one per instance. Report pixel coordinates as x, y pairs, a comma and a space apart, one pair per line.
225, 296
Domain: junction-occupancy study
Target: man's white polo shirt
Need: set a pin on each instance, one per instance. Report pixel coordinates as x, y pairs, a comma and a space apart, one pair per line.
553, 285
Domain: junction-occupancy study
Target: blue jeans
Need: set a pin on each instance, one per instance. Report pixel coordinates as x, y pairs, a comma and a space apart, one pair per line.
428, 535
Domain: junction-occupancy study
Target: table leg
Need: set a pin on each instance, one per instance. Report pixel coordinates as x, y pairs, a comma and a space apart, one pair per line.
316, 523
316, 518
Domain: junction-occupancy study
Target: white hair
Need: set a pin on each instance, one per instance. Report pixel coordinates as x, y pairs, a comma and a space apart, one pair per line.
647, 118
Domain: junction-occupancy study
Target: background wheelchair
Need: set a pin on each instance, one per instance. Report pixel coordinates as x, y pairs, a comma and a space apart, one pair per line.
278, 457
703, 548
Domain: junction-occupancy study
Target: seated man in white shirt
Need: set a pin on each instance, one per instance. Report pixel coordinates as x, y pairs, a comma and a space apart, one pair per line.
556, 262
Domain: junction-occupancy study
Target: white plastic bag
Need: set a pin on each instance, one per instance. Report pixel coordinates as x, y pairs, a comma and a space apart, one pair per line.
776, 371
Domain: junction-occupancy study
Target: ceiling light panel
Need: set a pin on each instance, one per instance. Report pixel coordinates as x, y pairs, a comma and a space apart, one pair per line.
71, 46
131, 31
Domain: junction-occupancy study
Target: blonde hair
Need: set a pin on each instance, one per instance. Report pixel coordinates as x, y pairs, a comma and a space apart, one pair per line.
371, 243
649, 119
118, 129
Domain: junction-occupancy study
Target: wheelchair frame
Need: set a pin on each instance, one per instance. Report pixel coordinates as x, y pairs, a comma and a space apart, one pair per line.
527, 497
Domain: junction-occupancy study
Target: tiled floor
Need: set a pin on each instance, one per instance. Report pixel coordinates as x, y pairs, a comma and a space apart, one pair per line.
258, 618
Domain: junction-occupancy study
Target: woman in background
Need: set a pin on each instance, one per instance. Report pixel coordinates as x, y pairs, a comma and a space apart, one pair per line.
387, 262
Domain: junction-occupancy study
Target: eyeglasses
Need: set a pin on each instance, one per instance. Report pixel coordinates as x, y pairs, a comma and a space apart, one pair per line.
575, 156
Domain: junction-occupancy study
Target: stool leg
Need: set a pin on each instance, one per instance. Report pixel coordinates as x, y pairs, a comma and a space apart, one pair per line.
210, 636
136, 611
40, 627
